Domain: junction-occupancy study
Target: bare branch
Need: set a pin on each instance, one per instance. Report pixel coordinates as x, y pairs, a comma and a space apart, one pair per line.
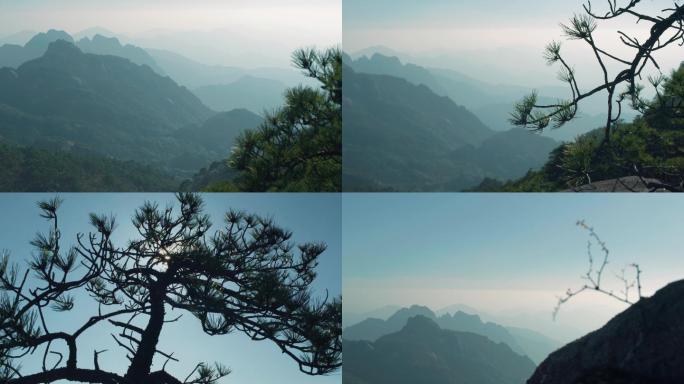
594, 276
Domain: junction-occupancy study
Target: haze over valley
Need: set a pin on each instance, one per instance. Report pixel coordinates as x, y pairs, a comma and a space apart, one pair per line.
463, 288
164, 96
485, 63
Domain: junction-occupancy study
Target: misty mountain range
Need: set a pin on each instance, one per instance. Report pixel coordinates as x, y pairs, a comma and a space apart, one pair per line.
95, 97
422, 352
640, 345
248, 92
13, 55
539, 320
521, 341
106, 104
415, 128
402, 136
219, 87
492, 103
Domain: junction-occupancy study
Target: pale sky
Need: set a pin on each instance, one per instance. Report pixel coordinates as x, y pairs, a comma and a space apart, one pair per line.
498, 40
212, 31
311, 218
508, 255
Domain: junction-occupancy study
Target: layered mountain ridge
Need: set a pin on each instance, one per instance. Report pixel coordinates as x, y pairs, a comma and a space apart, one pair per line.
534, 345
13, 55
402, 136
491, 103
74, 101
423, 352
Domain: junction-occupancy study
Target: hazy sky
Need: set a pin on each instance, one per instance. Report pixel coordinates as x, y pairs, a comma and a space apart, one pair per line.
496, 40
229, 32
311, 217
508, 255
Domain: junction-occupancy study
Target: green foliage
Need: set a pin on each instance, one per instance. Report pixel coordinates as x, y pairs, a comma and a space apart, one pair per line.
533, 181
221, 186
208, 374
38, 170
552, 52
299, 146
217, 177
665, 29
666, 112
651, 146
581, 27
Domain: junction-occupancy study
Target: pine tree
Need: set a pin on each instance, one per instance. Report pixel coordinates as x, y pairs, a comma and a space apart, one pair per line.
299, 146
247, 276
665, 28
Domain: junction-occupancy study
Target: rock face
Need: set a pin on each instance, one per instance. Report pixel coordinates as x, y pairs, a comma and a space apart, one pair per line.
13, 56
622, 184
101, 45
644, 344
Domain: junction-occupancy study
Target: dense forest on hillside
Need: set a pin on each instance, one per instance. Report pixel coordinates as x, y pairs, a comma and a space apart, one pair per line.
31, 169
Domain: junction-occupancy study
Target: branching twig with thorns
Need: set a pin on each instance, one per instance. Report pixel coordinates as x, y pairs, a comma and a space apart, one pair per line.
593, 276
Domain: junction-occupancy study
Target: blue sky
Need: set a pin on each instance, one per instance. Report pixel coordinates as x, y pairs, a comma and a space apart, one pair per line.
502, 253
311, 217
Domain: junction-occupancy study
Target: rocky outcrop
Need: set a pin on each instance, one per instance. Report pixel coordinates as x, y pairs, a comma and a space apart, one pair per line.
643, 344
623, 184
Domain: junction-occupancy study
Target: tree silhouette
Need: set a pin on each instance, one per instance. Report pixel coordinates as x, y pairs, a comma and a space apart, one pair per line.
665, 29
247, 276
594, 276
299, 146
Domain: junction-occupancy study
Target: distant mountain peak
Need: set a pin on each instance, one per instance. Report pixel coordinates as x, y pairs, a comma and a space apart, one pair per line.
423, 352
92, 32
464, 315
376, 49
421, 324
103, 42
414, 310
386, 59
62, 48
43, 39
99, 37
417, 307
